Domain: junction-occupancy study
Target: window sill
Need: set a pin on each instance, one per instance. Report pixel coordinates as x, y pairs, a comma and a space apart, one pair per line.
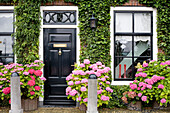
121, 82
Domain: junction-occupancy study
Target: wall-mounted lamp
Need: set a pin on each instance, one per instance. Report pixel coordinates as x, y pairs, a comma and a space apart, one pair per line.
93, 21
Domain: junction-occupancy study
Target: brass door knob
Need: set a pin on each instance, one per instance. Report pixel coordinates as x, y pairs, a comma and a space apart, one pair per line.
59, 53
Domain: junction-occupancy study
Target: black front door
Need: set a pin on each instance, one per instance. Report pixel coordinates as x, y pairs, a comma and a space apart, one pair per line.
59, 55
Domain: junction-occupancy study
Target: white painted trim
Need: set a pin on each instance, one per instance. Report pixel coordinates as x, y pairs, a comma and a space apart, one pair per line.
155, 47
42, 8
4, 8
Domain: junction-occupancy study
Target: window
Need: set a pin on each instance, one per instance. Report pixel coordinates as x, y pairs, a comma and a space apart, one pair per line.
132, 41
6, 41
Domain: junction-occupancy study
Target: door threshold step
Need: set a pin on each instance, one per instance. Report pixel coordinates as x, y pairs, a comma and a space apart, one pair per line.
57, 96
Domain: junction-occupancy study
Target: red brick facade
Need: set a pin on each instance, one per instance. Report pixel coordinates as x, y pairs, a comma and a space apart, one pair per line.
132, 3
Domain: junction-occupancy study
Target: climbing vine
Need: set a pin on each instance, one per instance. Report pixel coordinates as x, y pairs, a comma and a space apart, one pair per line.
95, 45
163, 24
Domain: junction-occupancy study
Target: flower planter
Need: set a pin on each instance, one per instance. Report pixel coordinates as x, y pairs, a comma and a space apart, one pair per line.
83, 107
136, 106
29, 104
157, 106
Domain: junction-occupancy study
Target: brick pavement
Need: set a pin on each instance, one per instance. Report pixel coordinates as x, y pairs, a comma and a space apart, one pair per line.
75, 110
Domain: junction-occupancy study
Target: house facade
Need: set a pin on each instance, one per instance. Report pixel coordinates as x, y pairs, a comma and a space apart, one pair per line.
133, 39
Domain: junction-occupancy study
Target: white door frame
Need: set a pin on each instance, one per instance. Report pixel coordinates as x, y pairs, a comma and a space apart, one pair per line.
64, 8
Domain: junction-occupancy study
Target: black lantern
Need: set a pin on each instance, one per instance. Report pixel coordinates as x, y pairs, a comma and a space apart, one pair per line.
93, 22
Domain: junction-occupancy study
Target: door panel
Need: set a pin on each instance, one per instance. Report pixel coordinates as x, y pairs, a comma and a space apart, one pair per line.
59, 55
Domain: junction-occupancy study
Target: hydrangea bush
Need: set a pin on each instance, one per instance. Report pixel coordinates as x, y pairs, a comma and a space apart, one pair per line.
152, 82
30, 79
78, 82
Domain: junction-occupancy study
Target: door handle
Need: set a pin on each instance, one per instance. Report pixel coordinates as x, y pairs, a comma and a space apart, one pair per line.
59, 53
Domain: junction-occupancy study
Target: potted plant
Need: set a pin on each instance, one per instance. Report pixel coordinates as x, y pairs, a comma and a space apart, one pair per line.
78, 82
30, 80
152, 82
132, 99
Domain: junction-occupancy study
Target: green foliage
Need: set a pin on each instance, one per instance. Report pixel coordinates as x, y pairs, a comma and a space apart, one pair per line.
5, 1
163, 23
116, 96
95, 45
26, 77
78, 82
157, 74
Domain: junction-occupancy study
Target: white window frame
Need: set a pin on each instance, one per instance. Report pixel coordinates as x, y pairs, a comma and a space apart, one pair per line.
155, 47
9, 8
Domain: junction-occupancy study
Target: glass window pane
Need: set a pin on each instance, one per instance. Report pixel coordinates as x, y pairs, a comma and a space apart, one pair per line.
142, 46
6, 22
6, 44
123, 68
142, 22
123, 22
123, 46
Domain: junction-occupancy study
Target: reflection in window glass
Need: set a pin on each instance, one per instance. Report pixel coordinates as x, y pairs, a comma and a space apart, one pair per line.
123, 22
123, 68
6, 44
142, 46
6, 22
123, 46
142, 22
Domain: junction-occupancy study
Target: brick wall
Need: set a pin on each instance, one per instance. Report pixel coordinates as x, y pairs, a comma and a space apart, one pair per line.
59, 3
132, 3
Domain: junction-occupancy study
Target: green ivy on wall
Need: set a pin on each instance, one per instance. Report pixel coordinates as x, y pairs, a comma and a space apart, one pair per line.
95, 45
163, 24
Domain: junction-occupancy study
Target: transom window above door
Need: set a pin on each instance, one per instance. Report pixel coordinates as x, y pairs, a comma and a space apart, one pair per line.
59, 17
6, 41
133, 35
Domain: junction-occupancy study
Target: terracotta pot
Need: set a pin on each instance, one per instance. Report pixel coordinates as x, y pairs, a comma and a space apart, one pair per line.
29, 104
83, 107
136, 106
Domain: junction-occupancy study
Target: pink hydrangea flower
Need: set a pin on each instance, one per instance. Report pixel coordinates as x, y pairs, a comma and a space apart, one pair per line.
139, 94
142, 88
79, 98
31, 83
85, 100
107, 82
69, 78
38, 72
32, 92
145, 64
70, 83
37, 88
140, 69
94, 68
6, 90
77, 82
104, 98
43, 78
138, 88
73, 92
133, 86
98, 74
160, 86
163, 100
26, 73
100, 71
144, 98
21, 83
103, 79
109, 89
82, 65
99, 91
31, 71
1, 63
162, 63
135, 81
84, 80
5, 72
149, 86
68, 89
86, 61
98, 63
83, 88
32, 78
168, 62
